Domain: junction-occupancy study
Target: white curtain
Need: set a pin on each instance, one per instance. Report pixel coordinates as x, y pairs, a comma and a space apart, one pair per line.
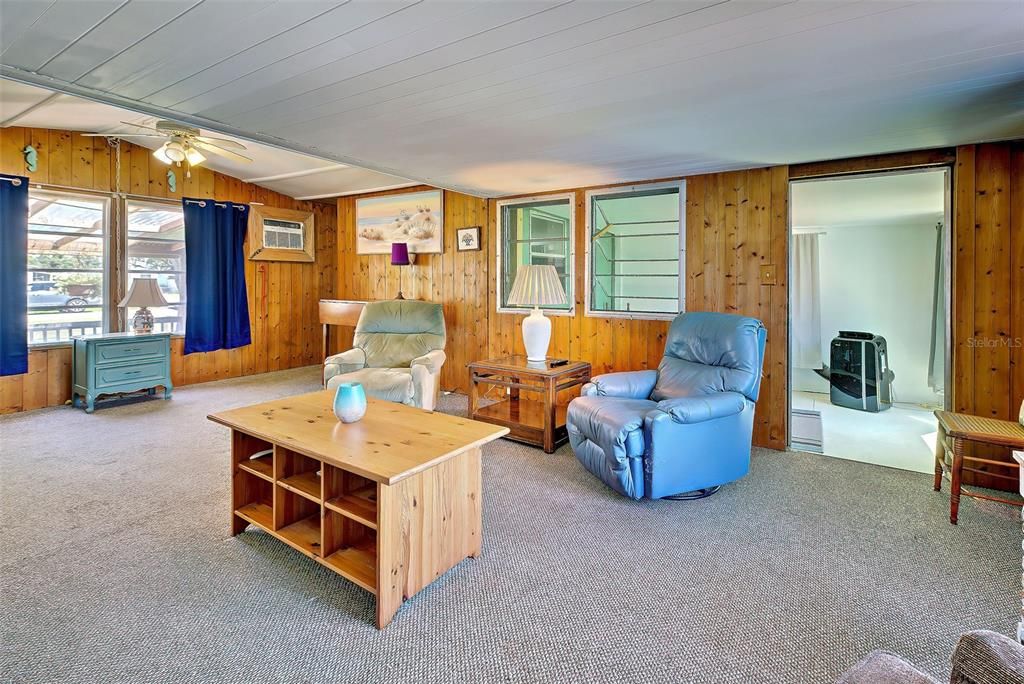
937, 351
806, 302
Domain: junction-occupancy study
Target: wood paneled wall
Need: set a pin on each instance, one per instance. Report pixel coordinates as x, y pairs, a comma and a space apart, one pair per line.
458, 280
736, 223
988, 285
282, 295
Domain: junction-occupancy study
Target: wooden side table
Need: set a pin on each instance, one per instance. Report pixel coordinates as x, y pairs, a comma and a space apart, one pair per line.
955, 429
539, 422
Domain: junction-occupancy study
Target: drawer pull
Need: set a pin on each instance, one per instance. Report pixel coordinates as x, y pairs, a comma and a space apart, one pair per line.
132, 349
133, 372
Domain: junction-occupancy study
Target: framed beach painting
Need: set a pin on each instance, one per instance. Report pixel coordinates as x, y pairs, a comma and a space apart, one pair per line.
415, 218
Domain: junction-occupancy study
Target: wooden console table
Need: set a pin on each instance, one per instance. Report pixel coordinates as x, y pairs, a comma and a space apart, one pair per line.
536, 422
390, 503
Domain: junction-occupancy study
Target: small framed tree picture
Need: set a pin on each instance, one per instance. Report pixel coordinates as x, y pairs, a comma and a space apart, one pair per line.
468, 239
280, 234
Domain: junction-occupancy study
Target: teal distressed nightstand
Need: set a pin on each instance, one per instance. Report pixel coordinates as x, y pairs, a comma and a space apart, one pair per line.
119, 362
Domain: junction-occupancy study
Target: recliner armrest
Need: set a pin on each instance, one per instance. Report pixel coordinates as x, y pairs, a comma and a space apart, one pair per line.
983, 656
426, 376
345, 362
627, 385
703, 408
433, 360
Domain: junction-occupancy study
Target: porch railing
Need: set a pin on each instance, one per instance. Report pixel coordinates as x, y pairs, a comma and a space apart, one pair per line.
48, 333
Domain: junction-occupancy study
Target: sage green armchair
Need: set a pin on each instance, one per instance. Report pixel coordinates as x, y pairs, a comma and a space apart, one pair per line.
397, 353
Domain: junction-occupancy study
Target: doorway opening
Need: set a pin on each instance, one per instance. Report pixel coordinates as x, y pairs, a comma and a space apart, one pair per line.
869, 315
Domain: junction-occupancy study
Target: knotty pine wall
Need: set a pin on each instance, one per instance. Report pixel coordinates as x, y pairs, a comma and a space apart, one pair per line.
988, 285
736, 222
458, 280
282, 296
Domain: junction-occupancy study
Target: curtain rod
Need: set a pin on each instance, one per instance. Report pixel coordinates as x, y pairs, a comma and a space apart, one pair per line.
103, 193
202, 203
12, 180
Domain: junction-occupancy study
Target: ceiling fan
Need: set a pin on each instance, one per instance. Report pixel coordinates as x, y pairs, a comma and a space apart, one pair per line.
184, 143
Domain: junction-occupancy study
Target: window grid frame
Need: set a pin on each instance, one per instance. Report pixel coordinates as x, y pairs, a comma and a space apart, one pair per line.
589, 311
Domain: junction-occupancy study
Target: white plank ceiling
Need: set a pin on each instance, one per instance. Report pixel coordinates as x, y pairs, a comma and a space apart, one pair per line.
292, 173
497, 98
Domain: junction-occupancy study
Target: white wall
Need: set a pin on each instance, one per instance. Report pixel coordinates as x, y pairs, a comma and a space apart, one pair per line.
879, 279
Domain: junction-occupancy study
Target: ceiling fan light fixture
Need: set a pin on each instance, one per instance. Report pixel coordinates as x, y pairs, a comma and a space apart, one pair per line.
194, 156
161, 154
174, 150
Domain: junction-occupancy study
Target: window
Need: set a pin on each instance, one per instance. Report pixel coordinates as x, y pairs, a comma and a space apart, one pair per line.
156, 249
69, 242
535, 231
636, 251
67, 235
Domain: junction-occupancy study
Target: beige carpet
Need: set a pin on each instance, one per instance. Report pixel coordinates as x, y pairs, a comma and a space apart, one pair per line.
117, 566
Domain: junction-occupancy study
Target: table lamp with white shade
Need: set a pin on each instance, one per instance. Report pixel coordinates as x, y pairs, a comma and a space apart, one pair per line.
537, 286
144, 293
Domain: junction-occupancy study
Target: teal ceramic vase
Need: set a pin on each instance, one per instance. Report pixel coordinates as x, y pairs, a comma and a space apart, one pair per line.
349, 402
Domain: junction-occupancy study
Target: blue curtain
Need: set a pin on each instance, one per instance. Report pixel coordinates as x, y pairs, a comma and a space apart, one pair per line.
13, 275
217, 307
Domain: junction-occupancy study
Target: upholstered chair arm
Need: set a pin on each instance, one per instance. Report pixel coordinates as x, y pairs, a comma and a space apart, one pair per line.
433, 360
345, 362
982, 656
703, 408
882, 667
426, 376
627, 385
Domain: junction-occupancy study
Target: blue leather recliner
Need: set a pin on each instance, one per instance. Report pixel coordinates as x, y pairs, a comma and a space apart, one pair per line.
685, 427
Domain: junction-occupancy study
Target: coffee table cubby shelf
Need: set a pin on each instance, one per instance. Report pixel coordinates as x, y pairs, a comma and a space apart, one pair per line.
320, 510
390, 503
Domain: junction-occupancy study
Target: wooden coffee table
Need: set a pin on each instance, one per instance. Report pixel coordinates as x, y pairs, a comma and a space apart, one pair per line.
391, 502
541, 421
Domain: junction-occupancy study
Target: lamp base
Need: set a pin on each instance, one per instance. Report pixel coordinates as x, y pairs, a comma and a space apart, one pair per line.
142, 321
536, 335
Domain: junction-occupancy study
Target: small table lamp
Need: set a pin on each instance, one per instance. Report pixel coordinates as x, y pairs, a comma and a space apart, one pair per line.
537, 286
400, 257
144, 292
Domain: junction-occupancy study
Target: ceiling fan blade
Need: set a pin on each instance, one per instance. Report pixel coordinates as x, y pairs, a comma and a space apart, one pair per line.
126, 135
148, 128
216, 149
222, 142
